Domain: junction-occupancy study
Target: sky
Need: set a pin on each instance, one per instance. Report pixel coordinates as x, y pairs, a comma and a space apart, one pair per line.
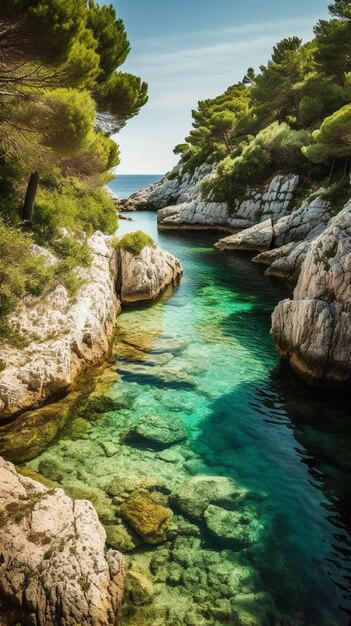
190, 50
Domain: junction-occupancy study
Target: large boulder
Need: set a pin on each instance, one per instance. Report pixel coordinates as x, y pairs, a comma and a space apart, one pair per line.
54, 567
144, 276
313, 331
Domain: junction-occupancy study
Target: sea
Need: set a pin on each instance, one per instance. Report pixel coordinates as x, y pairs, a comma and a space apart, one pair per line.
126, 184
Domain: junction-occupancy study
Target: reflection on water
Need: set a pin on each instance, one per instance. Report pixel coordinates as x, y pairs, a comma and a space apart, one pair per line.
204, 354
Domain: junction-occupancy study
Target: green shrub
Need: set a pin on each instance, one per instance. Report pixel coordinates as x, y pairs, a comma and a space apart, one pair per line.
135, 242
69, 247
70, 203
2, 365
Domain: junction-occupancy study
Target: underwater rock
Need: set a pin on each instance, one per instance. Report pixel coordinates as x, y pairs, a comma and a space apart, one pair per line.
160, 429
123, 486
109, 448
237, 529
138, 589
145, 275
121, 537
149, 519
195, 494
53, 559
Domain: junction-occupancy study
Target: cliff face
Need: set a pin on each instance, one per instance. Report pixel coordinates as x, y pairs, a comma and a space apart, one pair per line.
66, 336
313, 330
54, 568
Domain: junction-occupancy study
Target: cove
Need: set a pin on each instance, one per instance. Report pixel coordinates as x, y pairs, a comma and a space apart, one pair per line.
202, 353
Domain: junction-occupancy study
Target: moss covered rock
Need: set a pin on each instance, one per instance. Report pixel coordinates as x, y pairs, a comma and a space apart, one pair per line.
149, 519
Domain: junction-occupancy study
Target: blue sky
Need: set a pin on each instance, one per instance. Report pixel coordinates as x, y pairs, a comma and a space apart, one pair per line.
189, 50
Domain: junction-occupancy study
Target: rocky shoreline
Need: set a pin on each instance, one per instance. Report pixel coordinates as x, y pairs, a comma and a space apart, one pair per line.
54, 567
66, 335
300, 236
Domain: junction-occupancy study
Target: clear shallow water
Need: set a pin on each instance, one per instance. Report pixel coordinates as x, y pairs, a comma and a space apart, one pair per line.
126, 184
203, 353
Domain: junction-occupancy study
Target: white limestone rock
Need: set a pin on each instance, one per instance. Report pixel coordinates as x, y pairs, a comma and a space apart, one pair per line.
66, 335
313, 331
54, 567
257, 238
284, 262
145, 275
306, 222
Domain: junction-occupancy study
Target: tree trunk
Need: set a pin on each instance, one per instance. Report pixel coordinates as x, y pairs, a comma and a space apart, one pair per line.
27, 211
331, 173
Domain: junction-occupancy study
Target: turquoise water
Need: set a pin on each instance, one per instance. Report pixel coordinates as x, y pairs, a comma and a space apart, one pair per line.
126, 184
203, 354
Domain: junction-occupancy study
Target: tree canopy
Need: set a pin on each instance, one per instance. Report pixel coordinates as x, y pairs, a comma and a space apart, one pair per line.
290, 114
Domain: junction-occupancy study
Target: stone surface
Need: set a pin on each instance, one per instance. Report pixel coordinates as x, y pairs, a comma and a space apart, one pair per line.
284, 262
54, 567
161, 429
145, 275
180, 205
195, 495
236, 529
257, 238
66, 335
313, 331
149, 519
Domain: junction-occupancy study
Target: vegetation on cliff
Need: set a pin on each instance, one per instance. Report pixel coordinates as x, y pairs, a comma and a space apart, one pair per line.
294, 114
62, 96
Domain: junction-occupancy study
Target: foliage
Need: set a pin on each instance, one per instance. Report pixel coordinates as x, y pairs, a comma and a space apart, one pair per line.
275, 146
69, 247
20, 273
333, 138
293, 112
61, 92
70, 203
135, 242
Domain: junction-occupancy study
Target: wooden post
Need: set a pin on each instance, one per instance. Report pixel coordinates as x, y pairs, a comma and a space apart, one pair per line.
27, 211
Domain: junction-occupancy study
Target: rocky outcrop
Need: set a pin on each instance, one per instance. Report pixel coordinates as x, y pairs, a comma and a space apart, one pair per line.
145, 275
66, 335
258, 238
313, 331
284, 262
54, 568
192, 212
180, 204
302, 224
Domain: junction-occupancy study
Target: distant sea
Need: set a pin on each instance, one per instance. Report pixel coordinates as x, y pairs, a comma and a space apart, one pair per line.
126, 184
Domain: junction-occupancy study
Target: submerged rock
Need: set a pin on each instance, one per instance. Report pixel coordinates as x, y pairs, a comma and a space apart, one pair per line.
195, 495
149, 519
121, 537
236, 529
53, 559
160, 429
